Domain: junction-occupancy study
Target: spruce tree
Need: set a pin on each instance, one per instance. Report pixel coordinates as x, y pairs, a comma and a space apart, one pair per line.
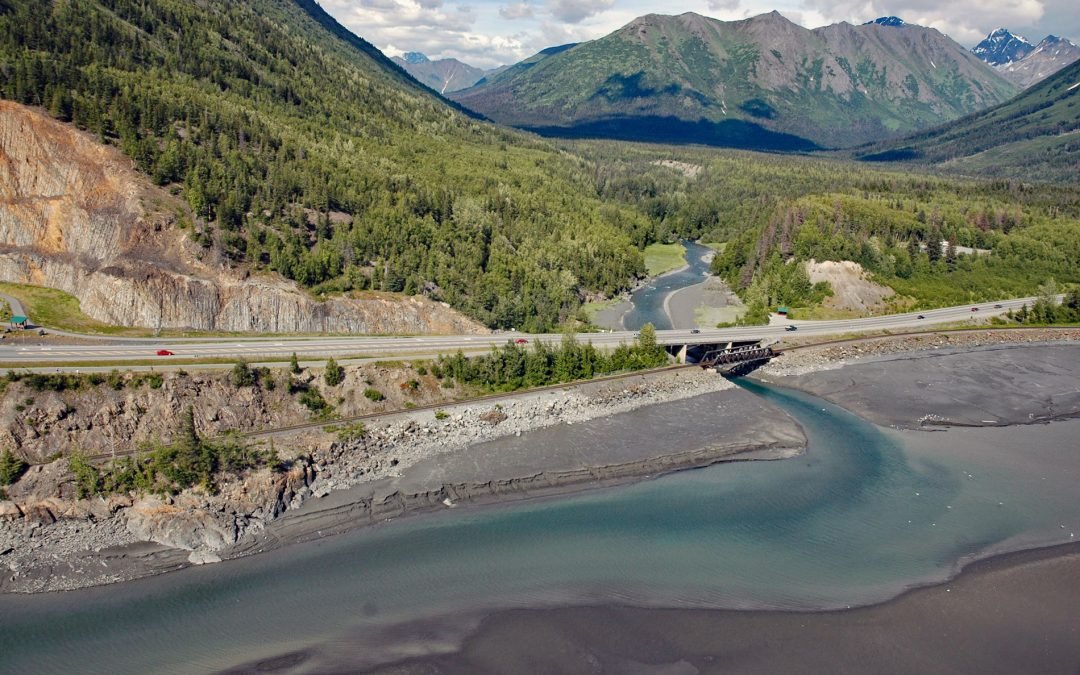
334, 374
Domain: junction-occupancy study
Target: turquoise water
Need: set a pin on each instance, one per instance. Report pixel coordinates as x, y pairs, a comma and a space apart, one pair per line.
857, 519
648, 302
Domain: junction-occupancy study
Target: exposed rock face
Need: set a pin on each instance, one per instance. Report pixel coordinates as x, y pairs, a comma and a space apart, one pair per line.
852, 288
1047, 58
102, 419
74, 215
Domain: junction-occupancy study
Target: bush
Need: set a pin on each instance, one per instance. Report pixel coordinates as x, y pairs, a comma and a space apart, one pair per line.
373, 395
294, 364
348, 432
11, 467
313, 401
334, 374
441, 415
88, 481
242, 375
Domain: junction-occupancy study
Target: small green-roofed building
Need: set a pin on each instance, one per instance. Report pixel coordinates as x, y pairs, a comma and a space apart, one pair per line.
782, 310
19, 321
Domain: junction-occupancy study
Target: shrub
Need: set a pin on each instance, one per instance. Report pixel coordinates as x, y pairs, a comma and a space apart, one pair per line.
242, 375
373, 395
11, 467
294, 364
88, 481
313, 401
349, 432
441, 415
334, 374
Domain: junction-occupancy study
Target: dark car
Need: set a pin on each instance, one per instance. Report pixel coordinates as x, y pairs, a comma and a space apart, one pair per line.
974, 309
920, 317
164, 352
997, 306
790, 328
694, 331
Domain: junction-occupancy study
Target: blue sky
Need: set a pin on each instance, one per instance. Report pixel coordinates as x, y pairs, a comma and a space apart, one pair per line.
487, 33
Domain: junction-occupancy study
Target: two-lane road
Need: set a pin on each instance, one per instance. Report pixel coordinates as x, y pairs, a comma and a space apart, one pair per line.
263, 349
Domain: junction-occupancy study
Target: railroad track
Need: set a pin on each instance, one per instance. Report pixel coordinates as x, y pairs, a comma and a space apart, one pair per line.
319, 425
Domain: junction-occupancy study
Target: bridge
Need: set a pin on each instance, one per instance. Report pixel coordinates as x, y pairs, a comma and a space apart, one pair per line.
727, 357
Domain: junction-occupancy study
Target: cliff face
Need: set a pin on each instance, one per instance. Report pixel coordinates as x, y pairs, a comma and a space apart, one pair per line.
74, 215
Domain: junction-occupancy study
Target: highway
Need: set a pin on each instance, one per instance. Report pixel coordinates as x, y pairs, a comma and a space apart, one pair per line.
269, 349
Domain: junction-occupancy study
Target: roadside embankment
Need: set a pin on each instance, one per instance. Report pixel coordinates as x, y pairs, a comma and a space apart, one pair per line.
54, 543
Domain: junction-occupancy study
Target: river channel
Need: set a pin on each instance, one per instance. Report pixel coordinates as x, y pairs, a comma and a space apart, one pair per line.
647, 303
861, 516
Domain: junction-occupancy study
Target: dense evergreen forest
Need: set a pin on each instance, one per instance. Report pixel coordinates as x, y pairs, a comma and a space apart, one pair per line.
771, 210
302, 150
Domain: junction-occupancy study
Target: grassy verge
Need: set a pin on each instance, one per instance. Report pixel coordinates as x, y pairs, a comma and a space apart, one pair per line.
661, 258
57, 309
60, 310
592, 309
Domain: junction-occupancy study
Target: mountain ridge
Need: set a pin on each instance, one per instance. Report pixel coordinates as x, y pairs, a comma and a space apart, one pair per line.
1036, 135
834, 86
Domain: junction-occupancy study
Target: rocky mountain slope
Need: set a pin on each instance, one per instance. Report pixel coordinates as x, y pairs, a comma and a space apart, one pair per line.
442, 75
1034, 136
74, 215
1047, 58
763, 82
1023, 63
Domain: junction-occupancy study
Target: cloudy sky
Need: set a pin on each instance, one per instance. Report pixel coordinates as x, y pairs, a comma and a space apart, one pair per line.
488, 33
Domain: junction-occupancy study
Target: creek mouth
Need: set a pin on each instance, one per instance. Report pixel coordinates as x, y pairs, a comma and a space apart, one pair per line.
862, 516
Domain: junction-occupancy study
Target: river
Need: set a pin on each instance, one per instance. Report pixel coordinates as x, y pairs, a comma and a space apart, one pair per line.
647, 303
864, 514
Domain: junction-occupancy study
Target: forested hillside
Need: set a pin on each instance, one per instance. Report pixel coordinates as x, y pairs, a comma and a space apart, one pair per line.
302, 150
771, 211
1033, 136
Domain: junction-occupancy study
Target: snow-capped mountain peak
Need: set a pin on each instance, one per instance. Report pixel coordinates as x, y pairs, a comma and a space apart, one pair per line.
1002, 46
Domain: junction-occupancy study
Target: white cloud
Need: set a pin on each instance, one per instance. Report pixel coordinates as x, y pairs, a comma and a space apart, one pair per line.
966, 21
518, 10
576, 11
487, 33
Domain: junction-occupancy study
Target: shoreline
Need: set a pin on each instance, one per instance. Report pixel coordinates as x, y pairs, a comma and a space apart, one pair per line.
343, 486
967, 604
347, 485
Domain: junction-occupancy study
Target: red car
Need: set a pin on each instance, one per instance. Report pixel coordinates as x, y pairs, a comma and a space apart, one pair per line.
521, 341
164, 352
974, 309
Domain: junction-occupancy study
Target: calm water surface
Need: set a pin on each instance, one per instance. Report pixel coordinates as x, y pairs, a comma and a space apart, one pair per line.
648, 301
861, 516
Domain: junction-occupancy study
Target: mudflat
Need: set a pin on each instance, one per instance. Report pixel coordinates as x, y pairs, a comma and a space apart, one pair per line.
994, 385
1012, 614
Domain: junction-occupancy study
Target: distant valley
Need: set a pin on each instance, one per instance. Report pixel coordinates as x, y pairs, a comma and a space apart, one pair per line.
442, 75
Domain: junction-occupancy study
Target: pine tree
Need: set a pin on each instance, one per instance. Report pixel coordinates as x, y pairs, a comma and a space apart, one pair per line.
294, 365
